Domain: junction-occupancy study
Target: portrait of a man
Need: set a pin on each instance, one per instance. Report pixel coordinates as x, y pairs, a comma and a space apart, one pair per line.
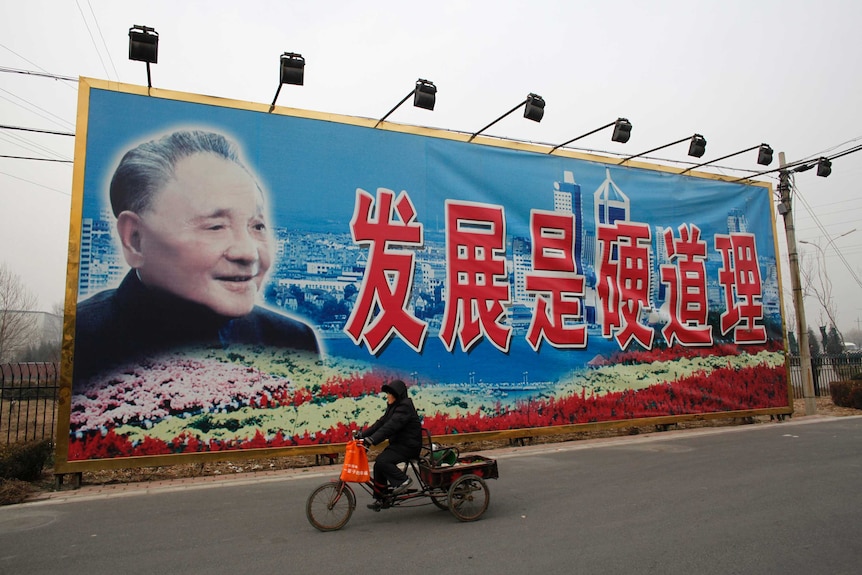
193, 226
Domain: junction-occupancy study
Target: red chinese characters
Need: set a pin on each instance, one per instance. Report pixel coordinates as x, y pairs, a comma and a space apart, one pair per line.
623, 279
477, 285
739, 276
685, 279
381, 306
477, 294
555, 282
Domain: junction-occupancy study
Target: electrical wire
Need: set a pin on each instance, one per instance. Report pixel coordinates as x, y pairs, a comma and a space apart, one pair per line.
850, 151
804, 164
36, 184
37, 159
40, 74
4, 127
92, 40
827, 150
801, 198
30, 145
58, 120
104, 44
44, 72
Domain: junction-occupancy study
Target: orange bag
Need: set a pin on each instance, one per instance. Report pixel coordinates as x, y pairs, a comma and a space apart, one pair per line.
355, 463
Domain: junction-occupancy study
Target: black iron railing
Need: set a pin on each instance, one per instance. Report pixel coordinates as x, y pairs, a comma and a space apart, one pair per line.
28, 401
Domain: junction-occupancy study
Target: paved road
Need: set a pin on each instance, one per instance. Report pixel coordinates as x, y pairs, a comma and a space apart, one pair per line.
766, 498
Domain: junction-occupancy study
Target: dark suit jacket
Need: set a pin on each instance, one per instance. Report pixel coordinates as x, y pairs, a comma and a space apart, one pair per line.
133, 321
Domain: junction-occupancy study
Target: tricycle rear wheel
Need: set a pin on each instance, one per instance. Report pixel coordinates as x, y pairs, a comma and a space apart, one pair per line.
468, 497
330, 506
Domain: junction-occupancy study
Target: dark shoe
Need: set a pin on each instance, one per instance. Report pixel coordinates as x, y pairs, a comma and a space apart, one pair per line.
376, 506
403, 487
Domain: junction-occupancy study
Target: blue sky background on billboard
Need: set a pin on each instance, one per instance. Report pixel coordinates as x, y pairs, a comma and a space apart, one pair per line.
738, 72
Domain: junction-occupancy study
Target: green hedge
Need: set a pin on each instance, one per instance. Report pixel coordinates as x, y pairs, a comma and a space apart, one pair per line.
847, 393
25, 460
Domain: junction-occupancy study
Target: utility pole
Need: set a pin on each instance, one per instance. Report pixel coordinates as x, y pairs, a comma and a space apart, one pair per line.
785, 208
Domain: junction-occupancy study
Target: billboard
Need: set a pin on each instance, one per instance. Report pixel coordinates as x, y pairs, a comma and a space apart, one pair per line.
243, 281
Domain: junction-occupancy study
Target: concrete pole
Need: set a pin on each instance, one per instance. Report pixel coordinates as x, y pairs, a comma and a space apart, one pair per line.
802, 328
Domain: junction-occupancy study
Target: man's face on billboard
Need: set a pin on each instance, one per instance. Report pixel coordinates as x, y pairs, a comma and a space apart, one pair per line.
205, 236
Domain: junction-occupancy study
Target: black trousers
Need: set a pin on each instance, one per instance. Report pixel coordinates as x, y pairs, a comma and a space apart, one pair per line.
386, 469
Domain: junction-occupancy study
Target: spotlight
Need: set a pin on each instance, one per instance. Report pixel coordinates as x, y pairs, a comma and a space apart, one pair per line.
622, 131
697, 148
764, 155
535, 108
425, 94
143, 44
292, 69
144, 47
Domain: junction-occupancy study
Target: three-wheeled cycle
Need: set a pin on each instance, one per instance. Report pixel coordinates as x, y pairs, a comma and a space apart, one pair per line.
449, 480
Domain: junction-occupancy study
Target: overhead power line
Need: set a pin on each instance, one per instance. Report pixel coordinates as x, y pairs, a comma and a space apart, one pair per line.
34, 73
36, 184
37, 159
802, 165
39, 111
33, 148
825, 232
4, 127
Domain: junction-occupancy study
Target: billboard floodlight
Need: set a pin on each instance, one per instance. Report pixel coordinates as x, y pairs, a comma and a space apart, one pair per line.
424, 96
622, 133
144, 47
534, 109
291, 71
696, 148
764, 155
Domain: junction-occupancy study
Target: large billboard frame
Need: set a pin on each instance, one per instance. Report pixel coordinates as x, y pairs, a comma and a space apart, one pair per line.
86, 85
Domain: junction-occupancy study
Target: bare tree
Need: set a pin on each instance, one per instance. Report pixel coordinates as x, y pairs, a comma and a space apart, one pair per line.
17, 323
816, 282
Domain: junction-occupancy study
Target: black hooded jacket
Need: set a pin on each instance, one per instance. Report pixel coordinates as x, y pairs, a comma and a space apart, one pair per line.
400, 423
133, 321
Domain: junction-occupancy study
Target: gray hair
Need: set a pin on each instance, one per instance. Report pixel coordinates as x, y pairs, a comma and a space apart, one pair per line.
147, 168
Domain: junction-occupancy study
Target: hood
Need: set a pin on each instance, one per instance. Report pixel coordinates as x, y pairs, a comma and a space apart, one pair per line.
397, 388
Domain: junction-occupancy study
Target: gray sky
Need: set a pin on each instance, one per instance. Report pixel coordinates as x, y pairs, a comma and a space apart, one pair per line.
740, 72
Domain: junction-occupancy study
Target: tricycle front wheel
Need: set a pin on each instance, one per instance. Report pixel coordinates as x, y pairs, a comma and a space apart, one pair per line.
330, 506
468, 497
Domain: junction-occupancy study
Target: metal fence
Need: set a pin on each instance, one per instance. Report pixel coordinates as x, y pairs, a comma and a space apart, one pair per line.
28, 392
28, 401
825, 369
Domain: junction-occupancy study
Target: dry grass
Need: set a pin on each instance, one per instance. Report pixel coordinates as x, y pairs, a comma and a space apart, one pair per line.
14, 491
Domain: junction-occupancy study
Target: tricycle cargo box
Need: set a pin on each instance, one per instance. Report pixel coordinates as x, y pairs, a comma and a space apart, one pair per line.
443, 476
